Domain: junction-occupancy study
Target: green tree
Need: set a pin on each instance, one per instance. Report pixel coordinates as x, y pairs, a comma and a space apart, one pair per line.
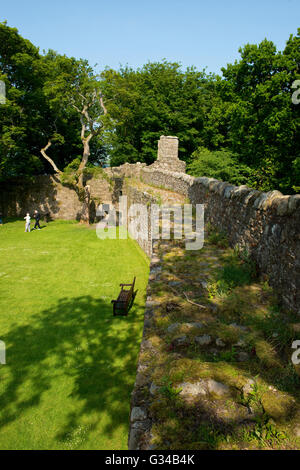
157, 99
263, 124
53, 103
26, 119
73, 87
219, 164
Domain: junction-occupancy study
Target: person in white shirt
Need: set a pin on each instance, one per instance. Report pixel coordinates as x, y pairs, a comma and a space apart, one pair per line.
27, 222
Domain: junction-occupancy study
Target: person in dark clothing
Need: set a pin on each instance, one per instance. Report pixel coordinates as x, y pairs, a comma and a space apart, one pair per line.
37, 217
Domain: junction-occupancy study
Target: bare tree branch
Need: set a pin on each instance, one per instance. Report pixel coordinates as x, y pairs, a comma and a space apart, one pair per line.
102, 104
82, 135
186, 297
43, 152
191, 302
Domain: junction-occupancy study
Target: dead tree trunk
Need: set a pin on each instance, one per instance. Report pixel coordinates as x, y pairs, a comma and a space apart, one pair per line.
85, 214
86, 121
43, 152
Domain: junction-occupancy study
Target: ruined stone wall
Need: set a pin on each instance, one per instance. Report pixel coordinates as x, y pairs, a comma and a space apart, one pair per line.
140, 425
127, 170
101, 189
136, 196
44, 193
167, 155
266, 224
177, 182
47, 194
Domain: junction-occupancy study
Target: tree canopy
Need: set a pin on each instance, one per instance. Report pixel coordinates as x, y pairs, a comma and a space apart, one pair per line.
263, 122
26, 118
158, 99
242, 126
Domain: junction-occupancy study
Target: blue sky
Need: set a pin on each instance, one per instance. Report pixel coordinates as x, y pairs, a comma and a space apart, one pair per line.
113, 32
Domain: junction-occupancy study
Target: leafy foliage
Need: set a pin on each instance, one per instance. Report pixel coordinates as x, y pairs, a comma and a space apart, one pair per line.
27, 119
157, 99
262, 122
238, 270
168, 391
219, 164
242, 127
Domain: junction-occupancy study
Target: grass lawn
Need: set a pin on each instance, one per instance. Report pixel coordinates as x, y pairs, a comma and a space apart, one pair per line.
70, 364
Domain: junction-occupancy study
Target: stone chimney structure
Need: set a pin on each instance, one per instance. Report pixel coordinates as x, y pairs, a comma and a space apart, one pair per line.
167, 155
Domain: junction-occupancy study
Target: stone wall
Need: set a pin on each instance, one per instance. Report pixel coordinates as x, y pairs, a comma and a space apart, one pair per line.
177, 182
101, 189
136, 196
266, 224
53, 199
44, 193
127, 170
167, 155
140, 425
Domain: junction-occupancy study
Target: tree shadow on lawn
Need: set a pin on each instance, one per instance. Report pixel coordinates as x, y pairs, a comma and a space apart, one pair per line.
80, 339
11, 220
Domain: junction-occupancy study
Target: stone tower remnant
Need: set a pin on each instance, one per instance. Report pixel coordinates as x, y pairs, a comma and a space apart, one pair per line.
167, 155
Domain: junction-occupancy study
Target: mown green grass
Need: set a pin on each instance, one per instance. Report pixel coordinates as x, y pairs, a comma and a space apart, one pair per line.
70, 364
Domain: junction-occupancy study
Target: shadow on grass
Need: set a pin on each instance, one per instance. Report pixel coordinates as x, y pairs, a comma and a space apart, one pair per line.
41, 227
80, 339
10, 220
